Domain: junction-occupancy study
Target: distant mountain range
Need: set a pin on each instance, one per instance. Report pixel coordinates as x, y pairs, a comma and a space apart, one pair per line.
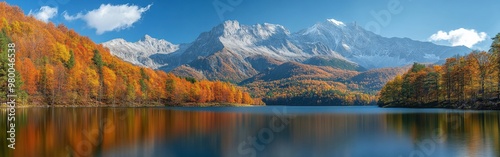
235, 52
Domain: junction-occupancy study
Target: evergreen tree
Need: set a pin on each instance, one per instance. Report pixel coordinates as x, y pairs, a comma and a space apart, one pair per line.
4, 71
144, 85
97, 59
3, 66
71, 61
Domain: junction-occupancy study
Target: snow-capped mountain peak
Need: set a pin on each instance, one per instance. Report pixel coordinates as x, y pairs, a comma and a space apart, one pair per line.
147, 38
139, 52
233, 29
152, 45
330, 26
335, 22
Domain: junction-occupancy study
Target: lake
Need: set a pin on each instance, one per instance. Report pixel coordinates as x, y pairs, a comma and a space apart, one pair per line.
272, 131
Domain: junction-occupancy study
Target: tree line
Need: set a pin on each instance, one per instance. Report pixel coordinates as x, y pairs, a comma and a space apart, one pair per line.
471, 81
308, 92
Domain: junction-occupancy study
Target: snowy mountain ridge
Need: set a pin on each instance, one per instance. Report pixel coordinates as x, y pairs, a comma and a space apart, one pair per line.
343, 42
139, 52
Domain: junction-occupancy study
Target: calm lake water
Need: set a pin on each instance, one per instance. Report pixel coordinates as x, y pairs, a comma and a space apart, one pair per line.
253, 131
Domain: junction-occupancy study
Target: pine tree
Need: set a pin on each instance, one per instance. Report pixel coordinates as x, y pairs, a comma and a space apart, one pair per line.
71, 62
97, 59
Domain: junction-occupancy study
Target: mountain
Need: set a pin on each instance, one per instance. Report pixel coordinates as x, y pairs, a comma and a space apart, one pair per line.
139, 53
367, 81
374, 51
299, 71
238, 45
334, 63
228, 51
223, 65
293, 83
373, 80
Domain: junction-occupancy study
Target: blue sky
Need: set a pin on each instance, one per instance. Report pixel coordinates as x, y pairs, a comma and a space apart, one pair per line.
181, 21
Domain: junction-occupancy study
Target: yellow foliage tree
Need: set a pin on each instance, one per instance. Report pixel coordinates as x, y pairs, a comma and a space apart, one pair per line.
109, 82
61, 52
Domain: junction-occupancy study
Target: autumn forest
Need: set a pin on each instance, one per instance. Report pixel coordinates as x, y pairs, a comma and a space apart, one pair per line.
57, 66
467, 82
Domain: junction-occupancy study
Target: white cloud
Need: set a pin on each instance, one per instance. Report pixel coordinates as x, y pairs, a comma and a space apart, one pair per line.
460, 37
71, 18
110, 17
45, 13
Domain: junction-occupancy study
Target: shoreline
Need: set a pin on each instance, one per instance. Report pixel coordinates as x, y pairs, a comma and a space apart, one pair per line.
469, 105
135, 105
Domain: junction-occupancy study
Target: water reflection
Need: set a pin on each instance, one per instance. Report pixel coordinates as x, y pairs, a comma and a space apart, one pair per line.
316, 131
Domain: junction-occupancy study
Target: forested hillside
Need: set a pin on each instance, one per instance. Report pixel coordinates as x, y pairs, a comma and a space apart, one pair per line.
471, 81
57, 66
295, 83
